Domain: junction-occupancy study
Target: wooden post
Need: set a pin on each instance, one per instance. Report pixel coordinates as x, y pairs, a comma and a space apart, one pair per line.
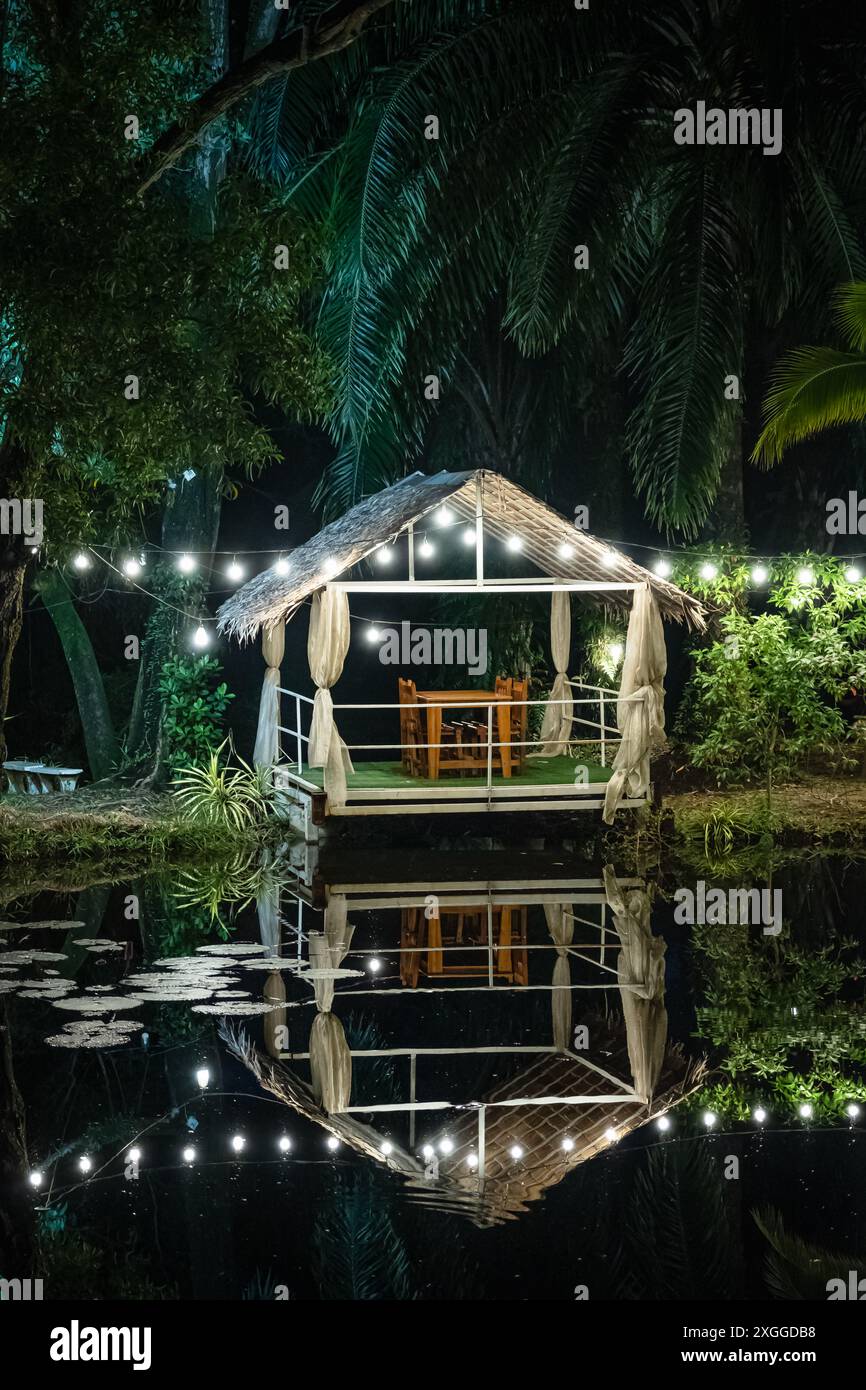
479, 533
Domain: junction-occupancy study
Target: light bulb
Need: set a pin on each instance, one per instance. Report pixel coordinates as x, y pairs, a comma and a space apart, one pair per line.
662, 568
565, 551
428, 1152
446, 1146
373, 634
708, 571
663, 1123
201, 637
134, 1155
238, 1143
444, 516
709, 1119
81, 561
516, 1152
759, 1114
281, 566
85, 1163
374, 965
285, 1144
330, 567
385, 554
426, 549
386, 1148
514, 543
187, 563
805, 575
235, 572
852, 1111
609, 559
759, 574
188, 1154
568, 1145
805, 1112
131, 567
333, 1143
611, 1135
615, 650
472, 1160
35, 1179
469, 535
202, 1077
852, 574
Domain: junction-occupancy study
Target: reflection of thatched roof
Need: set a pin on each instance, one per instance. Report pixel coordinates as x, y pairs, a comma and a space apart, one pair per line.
271, 598
540, 1129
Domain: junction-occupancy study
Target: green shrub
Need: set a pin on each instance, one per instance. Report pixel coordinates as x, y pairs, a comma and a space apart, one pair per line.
194, 708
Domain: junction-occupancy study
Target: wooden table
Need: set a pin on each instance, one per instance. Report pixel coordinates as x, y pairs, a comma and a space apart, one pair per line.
464, 699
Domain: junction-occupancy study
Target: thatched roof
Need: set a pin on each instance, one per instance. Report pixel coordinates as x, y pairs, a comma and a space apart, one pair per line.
272, 598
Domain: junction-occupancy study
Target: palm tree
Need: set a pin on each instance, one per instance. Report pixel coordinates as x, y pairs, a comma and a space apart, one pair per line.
554, 132
818, 388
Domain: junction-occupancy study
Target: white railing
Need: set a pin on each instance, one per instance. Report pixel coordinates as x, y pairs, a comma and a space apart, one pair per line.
602, 698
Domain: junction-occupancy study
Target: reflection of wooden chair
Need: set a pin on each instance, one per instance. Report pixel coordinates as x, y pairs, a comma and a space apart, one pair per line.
432, 937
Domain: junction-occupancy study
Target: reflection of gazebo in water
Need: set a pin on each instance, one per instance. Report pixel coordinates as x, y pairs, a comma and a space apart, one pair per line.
549, 1105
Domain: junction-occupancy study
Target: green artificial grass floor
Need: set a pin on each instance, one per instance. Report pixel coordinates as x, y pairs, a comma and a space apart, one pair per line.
535, 772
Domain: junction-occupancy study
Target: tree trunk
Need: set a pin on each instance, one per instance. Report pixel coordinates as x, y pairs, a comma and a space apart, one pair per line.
17, 1227
96, 723
728, 517
13, 564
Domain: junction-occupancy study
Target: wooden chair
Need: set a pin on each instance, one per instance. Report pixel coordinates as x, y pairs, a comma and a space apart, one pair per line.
454, 755
513, 690
463, 926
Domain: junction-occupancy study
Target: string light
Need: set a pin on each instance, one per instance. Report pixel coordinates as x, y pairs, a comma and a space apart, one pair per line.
759, 1114
708, 571
469, 535
805, 575
385, 554
235, 572
330, 567
333, 1143
615, 651
446, 1146
373, 634
709, 1119
238, 1143
568, 1145
852, 574
428, 1152
852, 1111
188, 1154
759, 574
35, 1179
201, 637
444, 516
609, 559
374, 965
514, 543
662, 567
611, 1135
134, 1155
565, 551
472, 1160
805, 1112
386, 1147
85, 1163
426, 549
285, 1144
663, 1123
131, 567
516, 1152
281, 566
81, 561
187, 563
202, 1078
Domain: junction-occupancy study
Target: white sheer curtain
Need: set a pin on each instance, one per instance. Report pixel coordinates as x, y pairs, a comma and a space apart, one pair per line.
330, 1058
327, 645
641, 722
560, 924
640, 972
267, 749
556, 723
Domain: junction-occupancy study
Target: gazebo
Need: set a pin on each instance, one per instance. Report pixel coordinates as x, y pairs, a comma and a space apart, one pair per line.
299, 736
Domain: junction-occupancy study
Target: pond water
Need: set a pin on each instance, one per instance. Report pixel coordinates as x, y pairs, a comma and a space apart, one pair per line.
471, 1071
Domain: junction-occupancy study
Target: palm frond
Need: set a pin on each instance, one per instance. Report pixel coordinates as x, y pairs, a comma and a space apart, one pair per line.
814, 389
794, 1269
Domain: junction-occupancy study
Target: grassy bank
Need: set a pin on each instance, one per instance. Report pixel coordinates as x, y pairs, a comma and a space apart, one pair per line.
817, 810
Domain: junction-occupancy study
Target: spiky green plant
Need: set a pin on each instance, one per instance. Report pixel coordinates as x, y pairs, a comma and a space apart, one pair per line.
218, 794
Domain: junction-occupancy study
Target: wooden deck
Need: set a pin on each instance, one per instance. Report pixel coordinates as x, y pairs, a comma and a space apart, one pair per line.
536, 772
